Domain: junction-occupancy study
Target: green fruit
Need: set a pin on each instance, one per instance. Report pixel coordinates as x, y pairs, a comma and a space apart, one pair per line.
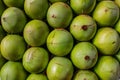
35, 59
83, 28
85, 75
53, 1
84, 55
106, 13
2, 8
117, 26
60, 68
14, 3
2, 33
60, 42
59, 15
37, 77
13, 47
107, 40
13, 20
36, 32
82, 6
36, 9
117, 2
107, 68
13, 71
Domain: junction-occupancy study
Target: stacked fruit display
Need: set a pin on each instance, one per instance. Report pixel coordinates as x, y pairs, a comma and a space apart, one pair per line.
59, 39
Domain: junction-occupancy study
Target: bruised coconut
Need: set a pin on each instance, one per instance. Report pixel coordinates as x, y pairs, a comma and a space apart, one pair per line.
13, 47
35, 32
13, 71
107, 68
37, 77
14, 3
83, 28
106, 13
36, 9
85, 75
60, 68
35, 59
82, 6
59, 15
13, 20
84, 55
107, 41
59, 42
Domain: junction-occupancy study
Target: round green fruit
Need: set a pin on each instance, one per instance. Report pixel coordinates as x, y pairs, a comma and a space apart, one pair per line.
36, 9
106, 13
59, 15
37, 77
13, 71
83, 28
85, 75
117, 2
60, 68
84, 55
117, 26
36, 32
13, 20
14, 3
107, 68
60, 42
107, 41
82, 6
35, 59
13, 47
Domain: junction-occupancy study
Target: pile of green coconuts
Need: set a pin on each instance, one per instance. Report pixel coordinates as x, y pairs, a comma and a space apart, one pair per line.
59, 39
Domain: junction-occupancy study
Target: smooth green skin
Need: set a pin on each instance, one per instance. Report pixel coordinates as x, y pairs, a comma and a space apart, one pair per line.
2, 8
2, 33
53, 1
13, 71
13, 47
107, 68
107, 41
60, 42
36, 32
82, 6
36, 9
85, 75
117, 55
84, 55
59, 15
14, 3
60, 68
117, 26
37, 77
117, 2
106, 13
13, 20
35, 59
76, 28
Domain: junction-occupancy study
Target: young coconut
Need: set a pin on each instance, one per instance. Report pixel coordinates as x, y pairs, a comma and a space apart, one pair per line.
84, 55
